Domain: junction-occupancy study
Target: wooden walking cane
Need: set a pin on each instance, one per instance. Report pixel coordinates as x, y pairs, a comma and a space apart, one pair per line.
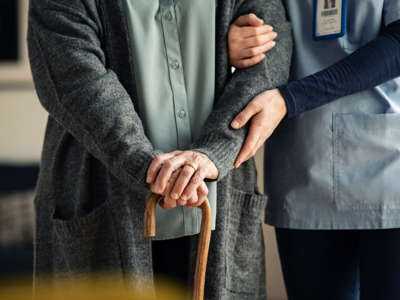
203, 246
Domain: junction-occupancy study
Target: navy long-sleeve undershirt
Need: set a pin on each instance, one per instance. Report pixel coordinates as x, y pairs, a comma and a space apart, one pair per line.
369, 66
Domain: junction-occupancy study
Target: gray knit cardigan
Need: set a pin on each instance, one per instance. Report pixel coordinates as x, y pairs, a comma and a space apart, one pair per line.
91, 190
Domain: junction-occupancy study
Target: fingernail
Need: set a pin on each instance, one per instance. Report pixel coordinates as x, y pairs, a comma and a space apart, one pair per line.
235, 124
273, 44
175, 196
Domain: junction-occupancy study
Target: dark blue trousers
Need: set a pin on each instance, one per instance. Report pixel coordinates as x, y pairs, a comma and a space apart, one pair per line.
340, 265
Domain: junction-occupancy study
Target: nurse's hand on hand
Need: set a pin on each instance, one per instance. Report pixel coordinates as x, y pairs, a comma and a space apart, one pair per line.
265, 111
179, 177
248, 40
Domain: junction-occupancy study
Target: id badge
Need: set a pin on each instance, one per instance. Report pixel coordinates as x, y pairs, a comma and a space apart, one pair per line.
329, 19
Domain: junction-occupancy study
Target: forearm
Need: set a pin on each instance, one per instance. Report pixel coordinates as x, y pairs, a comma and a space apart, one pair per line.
369, 66
82, 95
218, 140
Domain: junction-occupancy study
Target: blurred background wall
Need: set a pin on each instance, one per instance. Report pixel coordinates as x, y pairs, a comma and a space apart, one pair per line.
22, 123
22, 126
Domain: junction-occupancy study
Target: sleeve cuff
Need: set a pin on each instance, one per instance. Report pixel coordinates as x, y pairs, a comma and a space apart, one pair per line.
289, 99
219, 152
136, 168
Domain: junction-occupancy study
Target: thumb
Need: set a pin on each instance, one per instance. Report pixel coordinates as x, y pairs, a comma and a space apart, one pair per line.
249, 20
243, 118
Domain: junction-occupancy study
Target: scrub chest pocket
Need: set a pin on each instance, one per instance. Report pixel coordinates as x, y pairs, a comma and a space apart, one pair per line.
366, 161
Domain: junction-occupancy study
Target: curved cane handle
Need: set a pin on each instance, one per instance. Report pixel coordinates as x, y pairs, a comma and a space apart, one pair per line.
203, 243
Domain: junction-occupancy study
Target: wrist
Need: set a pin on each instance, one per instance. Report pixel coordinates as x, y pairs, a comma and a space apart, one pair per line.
289, 100
212, 170
280, 102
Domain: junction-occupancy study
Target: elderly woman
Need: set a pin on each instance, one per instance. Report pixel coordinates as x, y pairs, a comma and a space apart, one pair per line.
127, 84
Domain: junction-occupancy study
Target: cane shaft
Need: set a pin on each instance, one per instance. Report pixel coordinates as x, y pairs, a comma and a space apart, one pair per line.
202, 252
203, 243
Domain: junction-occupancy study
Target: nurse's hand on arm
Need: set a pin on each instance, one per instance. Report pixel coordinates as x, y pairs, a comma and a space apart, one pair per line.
265, 111
346, 77
179, 176
249, 39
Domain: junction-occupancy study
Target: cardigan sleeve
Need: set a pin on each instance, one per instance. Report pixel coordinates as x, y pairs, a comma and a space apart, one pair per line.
218, 140
83, 95
369, 66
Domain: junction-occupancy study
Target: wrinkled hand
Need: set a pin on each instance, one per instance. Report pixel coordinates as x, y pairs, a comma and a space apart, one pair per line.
179, 176
168, 203
266, 111
248, 40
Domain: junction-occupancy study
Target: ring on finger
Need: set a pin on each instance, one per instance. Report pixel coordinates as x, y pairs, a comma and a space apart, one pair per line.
191, 165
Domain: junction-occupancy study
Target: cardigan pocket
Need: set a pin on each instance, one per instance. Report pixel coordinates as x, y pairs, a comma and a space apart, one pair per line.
86, 245
245, 252
366, 161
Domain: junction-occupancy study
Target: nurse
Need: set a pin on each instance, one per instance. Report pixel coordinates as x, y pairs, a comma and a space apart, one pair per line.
333, 165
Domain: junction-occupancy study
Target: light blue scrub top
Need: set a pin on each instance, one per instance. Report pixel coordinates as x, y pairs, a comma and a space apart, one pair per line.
337, 167
173, 42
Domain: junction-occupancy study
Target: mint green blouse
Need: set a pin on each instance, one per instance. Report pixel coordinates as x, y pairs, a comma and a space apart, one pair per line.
173, 44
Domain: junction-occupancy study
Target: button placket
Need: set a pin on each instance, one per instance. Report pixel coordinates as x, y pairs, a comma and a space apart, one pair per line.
178, 87
177, 79
169, 17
